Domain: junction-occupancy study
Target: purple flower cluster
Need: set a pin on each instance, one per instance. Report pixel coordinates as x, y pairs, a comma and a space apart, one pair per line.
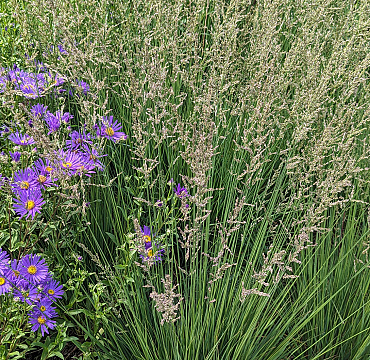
32, 85
29, 281
181, 192
55, 121
79, 157
153, 253
27, 185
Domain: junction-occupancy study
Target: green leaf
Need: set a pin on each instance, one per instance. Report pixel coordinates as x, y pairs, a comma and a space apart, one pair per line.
75, 312
120, 267
59, 354
112, 237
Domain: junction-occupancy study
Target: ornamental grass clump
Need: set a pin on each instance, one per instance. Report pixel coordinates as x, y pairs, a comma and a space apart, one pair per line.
258, 113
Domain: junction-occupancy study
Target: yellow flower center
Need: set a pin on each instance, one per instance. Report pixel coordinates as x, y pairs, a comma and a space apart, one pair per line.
67, 164
92, 157
150, 253
109, 131
41, 320
23, 141
42, 308
26, 294
32, 269
48, 169
147, 238
24, 185
51, 292
30, 205
2, 281
42, 179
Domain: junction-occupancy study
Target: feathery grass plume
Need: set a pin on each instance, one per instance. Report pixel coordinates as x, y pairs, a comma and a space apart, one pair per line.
165, 303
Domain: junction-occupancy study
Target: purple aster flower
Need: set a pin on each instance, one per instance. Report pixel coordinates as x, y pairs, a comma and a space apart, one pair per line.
15, 277
40, 66
83, 86
44, 168
70, 161
20, 139
30, 90
29, 203
147, 237
42, 322
181, 192
52, 121
64, 117
92, 155
62, 50
55, 80
109, 129
152, 255
41, 179
4, 260
44, 307
33, 268
78, 139
5, 284
16, 156
52, 290
30, 84
26, 292
5, 130
39, 110
86, 168
153, 252
23, 179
